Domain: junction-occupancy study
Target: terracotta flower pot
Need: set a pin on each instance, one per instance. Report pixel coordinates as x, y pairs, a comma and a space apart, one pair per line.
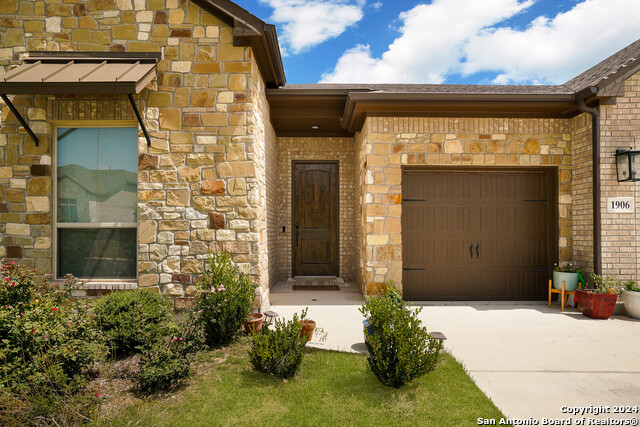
595, 305
254, 323
307, 329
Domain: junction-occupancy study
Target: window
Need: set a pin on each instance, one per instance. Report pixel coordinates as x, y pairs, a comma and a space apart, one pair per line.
67, 210
97, 202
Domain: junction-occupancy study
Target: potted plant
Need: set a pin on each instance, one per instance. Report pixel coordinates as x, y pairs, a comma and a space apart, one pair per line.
569, 274
307, 328
253, 323
631, 299
599, 302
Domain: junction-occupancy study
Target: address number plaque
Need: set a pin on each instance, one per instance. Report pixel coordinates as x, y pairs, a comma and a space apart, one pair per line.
621, 205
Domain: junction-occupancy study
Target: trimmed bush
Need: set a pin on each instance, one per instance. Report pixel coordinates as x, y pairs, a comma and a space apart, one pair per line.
279, 351
131, 319
400, 348
224, 300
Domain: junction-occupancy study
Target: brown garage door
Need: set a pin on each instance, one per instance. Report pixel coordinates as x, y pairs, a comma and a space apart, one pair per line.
477, 235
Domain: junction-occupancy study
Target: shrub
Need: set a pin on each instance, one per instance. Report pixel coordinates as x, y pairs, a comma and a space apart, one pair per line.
631, 286
164, 363
46, 344
224, 299
400, 348
279, 351
162, 366
134, 318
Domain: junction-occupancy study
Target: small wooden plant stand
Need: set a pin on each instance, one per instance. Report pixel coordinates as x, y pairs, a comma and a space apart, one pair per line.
563, 294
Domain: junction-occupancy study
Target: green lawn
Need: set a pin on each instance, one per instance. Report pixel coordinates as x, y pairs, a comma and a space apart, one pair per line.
331, 388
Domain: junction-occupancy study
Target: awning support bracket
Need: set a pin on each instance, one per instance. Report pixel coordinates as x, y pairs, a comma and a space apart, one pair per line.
24, 124
135, 110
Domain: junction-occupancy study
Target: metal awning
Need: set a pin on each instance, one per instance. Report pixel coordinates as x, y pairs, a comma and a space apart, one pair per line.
53, 73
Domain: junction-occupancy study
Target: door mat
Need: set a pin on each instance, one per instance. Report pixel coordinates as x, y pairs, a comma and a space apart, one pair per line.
316, 287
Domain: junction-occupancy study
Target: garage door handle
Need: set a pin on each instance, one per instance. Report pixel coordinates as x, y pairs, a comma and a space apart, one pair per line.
477, 250
471, 250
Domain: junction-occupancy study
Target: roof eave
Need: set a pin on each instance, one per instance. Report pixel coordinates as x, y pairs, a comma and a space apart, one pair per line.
266, 50
613, 84
361, 105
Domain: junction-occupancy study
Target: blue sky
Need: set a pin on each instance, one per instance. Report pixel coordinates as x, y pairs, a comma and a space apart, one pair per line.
446, 41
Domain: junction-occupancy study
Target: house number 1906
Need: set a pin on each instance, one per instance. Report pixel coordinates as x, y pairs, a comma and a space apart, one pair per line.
621, 205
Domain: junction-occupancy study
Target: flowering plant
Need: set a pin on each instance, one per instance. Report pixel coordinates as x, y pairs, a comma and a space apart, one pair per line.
606, 285
46, 342
224, 300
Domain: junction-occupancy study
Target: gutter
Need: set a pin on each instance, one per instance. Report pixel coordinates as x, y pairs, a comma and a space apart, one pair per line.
595, 139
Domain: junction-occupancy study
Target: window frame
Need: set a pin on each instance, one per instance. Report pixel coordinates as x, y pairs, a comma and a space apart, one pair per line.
102, 225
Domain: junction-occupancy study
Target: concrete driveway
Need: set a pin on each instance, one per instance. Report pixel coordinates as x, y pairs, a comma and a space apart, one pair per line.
530, 360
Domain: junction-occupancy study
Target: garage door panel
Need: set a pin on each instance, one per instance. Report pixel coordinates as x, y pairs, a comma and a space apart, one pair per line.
512, 253
424, 218
504, 217
430, 285
509, 285
457, 187
436, 252
532, 219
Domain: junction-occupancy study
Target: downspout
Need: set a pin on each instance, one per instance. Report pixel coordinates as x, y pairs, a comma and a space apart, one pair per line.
595, 139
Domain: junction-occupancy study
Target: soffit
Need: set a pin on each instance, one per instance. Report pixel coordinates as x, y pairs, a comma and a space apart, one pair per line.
340, 110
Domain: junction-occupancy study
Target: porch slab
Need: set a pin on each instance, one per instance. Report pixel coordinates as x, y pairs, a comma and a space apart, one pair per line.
531, 360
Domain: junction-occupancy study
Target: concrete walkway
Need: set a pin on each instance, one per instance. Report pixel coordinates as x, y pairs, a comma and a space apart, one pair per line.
530, 360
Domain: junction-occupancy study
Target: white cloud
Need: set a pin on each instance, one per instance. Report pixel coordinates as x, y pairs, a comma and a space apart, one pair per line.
556, 50
450, 37
307, 23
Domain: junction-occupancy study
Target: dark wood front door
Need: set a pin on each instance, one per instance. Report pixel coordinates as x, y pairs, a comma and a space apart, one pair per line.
315, 219
477, 235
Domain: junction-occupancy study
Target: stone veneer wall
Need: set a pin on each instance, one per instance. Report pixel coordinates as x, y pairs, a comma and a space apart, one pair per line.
359, 164
391, 142
620, 128
199, 182
582, 191
341, 149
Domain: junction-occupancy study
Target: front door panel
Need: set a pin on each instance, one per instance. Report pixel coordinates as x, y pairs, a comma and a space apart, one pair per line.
315, 219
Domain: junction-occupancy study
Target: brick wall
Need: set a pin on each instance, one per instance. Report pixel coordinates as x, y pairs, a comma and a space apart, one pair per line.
620, 128
199, 182
582, 192
388, 143
341, 149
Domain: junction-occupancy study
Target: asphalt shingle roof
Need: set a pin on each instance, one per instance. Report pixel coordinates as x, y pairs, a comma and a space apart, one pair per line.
437, 88
605, 69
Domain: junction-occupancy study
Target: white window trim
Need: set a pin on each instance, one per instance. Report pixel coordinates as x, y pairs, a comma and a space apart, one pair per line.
54, 204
